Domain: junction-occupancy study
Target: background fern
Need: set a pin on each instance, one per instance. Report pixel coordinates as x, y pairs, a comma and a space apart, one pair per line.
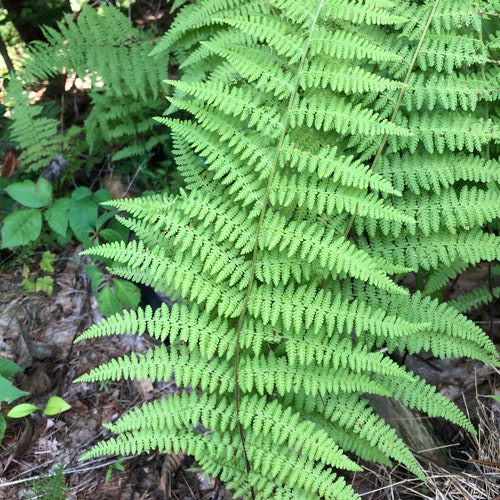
126, 90
51, 486
34, 127
310, 191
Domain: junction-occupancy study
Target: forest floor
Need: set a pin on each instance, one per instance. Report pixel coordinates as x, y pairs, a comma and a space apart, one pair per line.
37, 332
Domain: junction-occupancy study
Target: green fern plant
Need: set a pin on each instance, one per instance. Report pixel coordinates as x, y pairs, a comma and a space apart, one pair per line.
33, 128
51, 486
126, 89
332, 148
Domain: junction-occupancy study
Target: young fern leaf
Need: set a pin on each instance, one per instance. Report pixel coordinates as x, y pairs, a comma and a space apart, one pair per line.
475, 298
310, 181
31, 122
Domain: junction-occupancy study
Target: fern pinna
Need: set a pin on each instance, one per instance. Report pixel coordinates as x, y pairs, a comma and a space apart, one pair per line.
332, 147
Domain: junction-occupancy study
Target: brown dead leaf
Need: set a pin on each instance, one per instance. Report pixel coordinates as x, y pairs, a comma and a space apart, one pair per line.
171, 464
114, 184
35, 380
24, 439
10, 164
145, 387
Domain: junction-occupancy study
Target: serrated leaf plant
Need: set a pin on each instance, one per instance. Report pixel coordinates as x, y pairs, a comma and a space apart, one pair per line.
74, 216
51, 485
9, 393
329, 149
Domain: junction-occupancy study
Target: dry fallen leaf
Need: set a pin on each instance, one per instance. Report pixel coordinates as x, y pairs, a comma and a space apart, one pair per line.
10, 164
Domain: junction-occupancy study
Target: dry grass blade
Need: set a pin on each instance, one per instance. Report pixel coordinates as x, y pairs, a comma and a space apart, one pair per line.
171, 464
475, 478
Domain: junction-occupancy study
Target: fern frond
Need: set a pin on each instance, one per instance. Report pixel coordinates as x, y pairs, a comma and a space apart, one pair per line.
159, 363
154, 365
451, 92
360, 430
303, 308
269, 74
33, 130
237, 102
419, 394
185, 324
448, 333
323, 248
99, 30
270, 468
327, 163
102, 48
454, 211
475, 298
260, 416
310, 179
442, 275
449, 15
435, 250
367, 13
320, 197
440, 131
446, 53
305, 351
190, 25
129, 322
323, 112
179, 323
266, 375
338, 76
154, 268
424, 172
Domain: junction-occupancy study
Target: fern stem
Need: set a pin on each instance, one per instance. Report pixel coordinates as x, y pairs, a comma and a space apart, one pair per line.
286, 119
385, 137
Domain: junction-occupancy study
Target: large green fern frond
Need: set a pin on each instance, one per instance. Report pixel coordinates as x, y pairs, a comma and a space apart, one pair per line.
324, 148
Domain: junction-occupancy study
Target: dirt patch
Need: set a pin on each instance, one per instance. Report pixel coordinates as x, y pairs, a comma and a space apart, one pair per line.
37, 332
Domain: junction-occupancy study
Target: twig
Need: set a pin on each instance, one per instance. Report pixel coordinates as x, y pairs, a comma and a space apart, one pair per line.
6, 57
65, 471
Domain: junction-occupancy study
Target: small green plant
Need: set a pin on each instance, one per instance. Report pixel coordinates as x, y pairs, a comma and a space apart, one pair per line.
112, 294
54, 406
44, 283
25, 225
8, 391
115, 466
51, 486
74, 216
